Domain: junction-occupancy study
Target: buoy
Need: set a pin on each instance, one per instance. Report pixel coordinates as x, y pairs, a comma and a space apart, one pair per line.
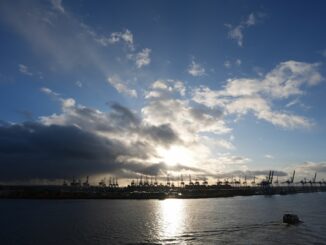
291, 219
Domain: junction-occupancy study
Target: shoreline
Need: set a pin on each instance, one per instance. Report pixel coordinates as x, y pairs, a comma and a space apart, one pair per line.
150, 192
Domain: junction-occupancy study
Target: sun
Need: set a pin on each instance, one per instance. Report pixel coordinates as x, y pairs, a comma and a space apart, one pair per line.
175, 155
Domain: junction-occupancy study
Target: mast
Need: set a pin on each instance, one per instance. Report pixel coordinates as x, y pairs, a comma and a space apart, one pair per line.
293, 176
182, 182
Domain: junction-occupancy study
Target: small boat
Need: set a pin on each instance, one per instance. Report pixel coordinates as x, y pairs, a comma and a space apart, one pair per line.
291, 219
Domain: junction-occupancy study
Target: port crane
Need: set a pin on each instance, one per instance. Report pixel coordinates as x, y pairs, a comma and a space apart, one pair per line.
75, 183
168, 180
102, 183
226, 182
110, 182
254, 181
86, 183
196, 181
237, 182
315, 178
146, 182
276, 181
303, 182
116, 182
182, 182
65, 183
313, 181
155, 181
269, 179
219, 182
172, 181
190, 182
205, 181
132, 182
290, 181
245, 181
141, 180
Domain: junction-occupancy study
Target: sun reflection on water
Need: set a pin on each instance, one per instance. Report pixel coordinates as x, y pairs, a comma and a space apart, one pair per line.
172, 218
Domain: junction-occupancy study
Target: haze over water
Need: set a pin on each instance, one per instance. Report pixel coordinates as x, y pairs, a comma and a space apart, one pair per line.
238, 220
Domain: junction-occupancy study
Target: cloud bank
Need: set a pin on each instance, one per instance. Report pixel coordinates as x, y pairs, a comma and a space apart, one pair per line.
241, 96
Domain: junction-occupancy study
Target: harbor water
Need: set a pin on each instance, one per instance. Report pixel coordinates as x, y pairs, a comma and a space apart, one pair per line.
233, 220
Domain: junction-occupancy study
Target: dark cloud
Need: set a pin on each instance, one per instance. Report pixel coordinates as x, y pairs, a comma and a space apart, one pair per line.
200, 113
123, 114
162, 168
35, 151
163, 134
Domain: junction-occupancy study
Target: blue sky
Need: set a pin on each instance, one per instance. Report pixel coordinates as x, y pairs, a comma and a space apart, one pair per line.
199, 87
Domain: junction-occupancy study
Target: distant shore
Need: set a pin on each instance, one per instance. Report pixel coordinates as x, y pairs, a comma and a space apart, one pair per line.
148, 192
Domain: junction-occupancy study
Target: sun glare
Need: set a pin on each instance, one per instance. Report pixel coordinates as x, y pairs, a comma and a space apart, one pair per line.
176, 155
172, 217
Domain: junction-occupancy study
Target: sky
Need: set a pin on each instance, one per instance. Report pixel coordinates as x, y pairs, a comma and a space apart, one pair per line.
130, 88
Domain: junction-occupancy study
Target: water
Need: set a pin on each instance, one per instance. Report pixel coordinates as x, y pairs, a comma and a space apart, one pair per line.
238, 220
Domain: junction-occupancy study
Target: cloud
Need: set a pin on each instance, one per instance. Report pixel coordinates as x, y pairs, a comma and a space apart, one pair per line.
142, 58
65, 103
287, 78
262, 110
228, 159
166, 89
57, 5
195, 69
164, 169
292, 103
163, 134
225, 144
183, 117
79, 84
308, 167
70, 102
120, 86
268, 156
251, 20
297, 102
244, 95
115, 37
236, 33
251, 174
218, 143
49, 91
24, 70
227, 64
49, 152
